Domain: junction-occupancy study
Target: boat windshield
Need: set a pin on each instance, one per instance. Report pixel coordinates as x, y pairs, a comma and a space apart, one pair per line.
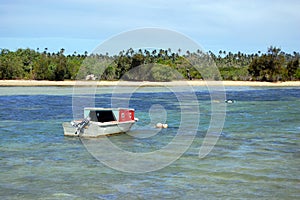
102, 116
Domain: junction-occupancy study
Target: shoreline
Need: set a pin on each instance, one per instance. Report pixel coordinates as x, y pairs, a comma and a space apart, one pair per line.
24, 83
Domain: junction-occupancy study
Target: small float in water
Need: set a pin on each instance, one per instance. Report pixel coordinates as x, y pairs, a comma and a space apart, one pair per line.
100, 122
230, 101
161, 125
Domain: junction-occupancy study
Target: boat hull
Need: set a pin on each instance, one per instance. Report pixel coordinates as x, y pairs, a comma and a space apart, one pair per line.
97, 129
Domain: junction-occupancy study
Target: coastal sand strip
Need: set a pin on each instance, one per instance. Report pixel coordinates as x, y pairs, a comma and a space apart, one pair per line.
130, 83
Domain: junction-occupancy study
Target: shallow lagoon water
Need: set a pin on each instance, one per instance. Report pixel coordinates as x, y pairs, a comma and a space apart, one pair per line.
257, 155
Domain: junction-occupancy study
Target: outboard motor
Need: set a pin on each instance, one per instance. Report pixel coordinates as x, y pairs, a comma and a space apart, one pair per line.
81, 124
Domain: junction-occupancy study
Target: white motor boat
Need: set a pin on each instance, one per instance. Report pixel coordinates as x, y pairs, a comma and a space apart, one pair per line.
100, 122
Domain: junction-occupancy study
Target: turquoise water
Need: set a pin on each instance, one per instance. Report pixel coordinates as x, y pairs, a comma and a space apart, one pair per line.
256, 156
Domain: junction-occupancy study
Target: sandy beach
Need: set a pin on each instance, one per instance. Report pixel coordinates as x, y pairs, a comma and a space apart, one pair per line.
129, 83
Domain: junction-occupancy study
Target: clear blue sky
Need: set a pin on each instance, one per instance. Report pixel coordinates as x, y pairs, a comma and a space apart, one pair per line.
81, 25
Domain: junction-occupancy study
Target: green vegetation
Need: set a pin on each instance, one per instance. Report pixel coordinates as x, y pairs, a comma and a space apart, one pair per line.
155, 65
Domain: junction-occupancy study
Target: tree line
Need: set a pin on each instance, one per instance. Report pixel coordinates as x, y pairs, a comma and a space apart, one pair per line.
157, 65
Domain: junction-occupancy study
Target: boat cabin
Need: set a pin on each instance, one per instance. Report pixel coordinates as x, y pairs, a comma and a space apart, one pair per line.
109, 114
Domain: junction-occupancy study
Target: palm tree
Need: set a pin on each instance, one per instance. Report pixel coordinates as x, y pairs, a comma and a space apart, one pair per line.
154, 52
179, 51
62, 50
188, 53
220, 52
169, 50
